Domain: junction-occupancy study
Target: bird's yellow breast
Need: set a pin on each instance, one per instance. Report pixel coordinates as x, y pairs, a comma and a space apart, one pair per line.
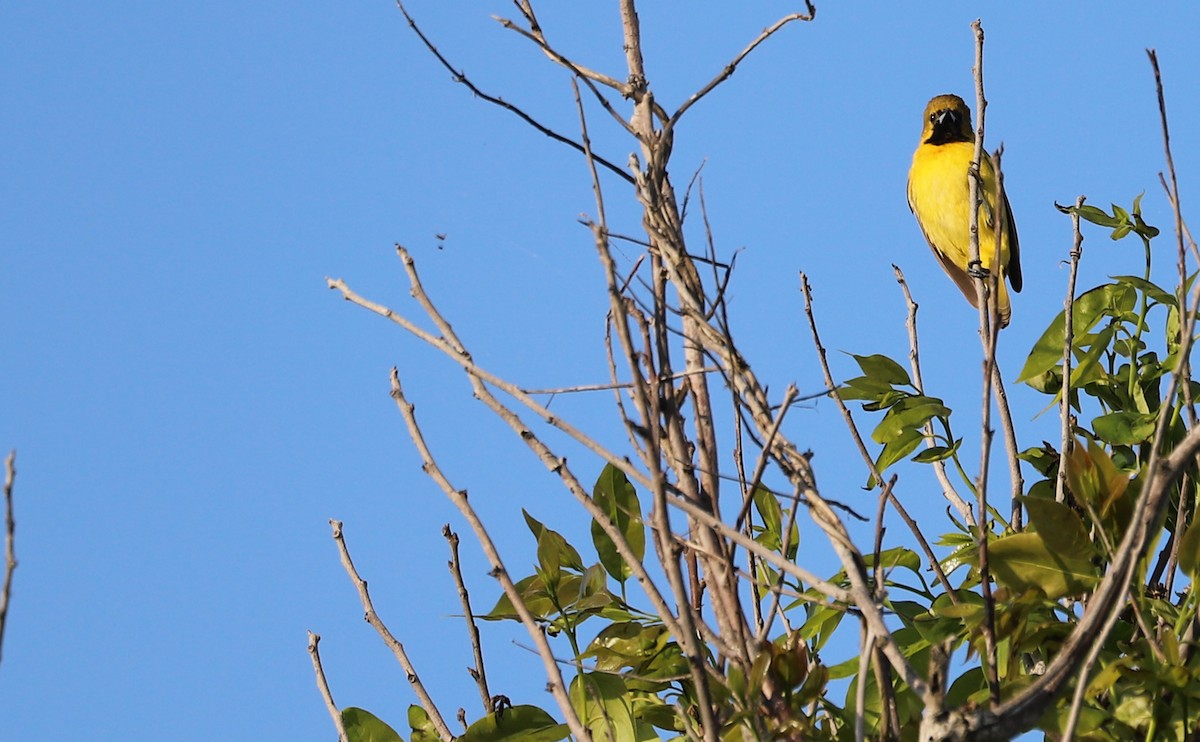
939, 194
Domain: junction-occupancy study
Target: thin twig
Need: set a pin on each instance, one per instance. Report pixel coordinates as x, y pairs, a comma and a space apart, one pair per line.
867, 644
410, 671
461, 77
930, 557
730, 68
614, 385
831, 385
1060, 484
10, 530
847, 552
889, 720
477, 672
555, 682
989, 325
323, 686
1166, 135
536, 35
760, 465
914, 359
1187, 233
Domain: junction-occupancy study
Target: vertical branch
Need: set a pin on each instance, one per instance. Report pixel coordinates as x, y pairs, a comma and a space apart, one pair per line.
1060, 484
989, 327
10, 530
646, 400
435, 716
477, 672
1000, 221
323, 686
555, 683
914, 358
1166, 134
867, 644
890, 717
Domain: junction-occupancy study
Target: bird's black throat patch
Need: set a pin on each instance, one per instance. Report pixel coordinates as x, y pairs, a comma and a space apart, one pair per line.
951, 128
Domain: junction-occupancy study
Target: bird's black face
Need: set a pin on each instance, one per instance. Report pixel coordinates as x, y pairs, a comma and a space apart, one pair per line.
948, 125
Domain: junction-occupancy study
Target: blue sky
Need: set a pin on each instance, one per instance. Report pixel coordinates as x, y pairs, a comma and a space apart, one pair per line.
190, 404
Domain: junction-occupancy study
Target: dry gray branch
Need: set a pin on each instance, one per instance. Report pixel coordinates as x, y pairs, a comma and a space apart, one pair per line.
10, 530
914, 359
323, 686
555, 682
461, 77
479, 671
1060, 485
371, 617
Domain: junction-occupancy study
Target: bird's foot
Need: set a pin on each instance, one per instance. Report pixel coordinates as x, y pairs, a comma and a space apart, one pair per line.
975, 269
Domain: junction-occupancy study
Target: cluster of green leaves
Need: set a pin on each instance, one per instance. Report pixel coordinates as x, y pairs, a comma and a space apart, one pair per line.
1125, 346
885, 385
633, 681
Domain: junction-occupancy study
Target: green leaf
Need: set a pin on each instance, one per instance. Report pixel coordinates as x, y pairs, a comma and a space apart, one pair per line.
937, 453
554, 553
1091, 214
1043, 458
1023, 560
617, 498
1060, 527
626, 644
865, 388
770, 512
880, 368
1152, 290
533, 594
821, 623
1137, 204
605, 705
422, 726
770, 534
1087, 309
895, 450
1125, 428
895, 557
363, 726
908, 415
516, 724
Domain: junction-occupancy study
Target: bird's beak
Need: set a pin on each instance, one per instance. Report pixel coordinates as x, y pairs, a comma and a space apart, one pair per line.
946, 116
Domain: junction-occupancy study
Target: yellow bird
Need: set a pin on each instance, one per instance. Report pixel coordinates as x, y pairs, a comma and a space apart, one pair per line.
939, 196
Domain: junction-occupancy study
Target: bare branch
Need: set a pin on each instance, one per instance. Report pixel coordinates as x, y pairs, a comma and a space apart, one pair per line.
730, 68
1060, 486
849, 554
613, 385
410, 671
1166, 135
555, 683
461, 77
477, 672
536, 35
10, 530
323, 686
914, 359
989, 328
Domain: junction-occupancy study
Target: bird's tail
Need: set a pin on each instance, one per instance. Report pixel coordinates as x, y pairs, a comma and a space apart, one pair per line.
1003, 306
